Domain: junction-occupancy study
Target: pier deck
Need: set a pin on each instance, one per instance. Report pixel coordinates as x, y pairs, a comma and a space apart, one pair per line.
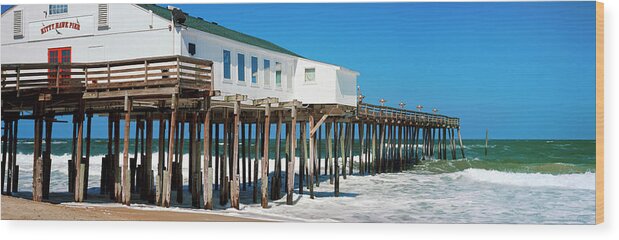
178, 91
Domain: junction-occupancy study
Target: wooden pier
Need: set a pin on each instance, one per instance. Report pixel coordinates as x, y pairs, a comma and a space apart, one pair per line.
179, 94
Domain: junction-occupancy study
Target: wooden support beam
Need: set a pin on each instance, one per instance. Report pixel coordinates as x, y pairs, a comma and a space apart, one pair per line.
168, 173
351, 144
208, 169
37, 169
47, 160
87, 157
79, 185
161, 160
194, 173
336, 165
244, 156
126, 174
148, 164
234, 194
329, 162
362, 153
265, 157
461, 145
5, 140
312, 156
256, 157
303, 157
276, 182
293, 143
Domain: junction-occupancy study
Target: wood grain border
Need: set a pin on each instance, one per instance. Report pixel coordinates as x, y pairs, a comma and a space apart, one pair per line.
599, 113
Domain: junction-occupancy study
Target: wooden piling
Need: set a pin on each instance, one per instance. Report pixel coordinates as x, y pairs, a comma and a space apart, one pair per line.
256, 157
265, 157
303, 157
461, 145
37, 169
362, 152
486, 148
79, 185
148, 186
161, 160
47, 160
208, 170
329, 162
336, 164
87, 157
312, 156
4, 153
276, 182
126, 181
293, 143
234, 194
244, 156
168, 172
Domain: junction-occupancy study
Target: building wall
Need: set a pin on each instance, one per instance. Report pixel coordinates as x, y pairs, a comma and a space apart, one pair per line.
133, 32
211, 47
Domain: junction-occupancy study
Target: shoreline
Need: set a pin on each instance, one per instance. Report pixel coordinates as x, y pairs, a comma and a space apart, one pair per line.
15, 208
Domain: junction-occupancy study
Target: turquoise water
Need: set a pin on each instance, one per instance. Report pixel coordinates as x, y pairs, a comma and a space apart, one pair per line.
524, 156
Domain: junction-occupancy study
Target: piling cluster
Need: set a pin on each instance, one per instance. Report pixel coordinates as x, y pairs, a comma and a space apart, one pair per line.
228, 134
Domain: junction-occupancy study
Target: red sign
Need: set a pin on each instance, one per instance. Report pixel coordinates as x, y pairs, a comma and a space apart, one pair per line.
59, 25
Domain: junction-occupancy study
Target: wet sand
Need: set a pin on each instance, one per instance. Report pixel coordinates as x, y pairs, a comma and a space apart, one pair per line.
14, 208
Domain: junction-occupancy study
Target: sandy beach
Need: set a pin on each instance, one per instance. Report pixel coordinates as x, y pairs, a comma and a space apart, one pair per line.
14, 208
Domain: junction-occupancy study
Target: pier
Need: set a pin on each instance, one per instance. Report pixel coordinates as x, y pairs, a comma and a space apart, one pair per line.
179, 93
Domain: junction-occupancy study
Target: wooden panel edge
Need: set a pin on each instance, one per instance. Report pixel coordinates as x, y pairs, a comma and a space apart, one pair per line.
599, 113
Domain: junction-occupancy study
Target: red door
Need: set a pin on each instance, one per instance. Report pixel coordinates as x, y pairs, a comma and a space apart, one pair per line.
59, 55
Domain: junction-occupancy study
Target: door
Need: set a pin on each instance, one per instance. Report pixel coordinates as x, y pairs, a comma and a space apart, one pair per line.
59, 55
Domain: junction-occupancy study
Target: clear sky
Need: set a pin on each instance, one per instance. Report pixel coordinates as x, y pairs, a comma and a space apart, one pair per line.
523, 70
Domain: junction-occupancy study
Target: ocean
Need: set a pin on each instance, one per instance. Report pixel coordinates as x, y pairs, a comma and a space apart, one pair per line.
519, 181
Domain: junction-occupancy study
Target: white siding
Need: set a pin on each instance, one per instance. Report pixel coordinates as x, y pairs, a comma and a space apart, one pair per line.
133, 32
129, 35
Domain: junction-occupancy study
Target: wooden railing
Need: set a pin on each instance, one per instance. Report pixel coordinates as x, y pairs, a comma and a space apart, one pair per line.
172, 71
375, 111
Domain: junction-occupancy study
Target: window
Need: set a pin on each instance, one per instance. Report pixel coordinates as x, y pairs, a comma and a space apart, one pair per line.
18, 25
191, 48
278, 74
58, 9
226, 64
241, 67
310, 74
267, 72
102, 21
254, 70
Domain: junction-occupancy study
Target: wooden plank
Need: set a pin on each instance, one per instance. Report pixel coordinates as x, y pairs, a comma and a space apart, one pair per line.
133, 93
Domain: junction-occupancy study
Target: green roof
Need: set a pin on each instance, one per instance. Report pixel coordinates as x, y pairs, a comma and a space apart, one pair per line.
213, 28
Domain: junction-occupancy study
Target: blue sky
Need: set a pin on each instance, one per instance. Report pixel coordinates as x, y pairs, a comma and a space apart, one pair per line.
523, 70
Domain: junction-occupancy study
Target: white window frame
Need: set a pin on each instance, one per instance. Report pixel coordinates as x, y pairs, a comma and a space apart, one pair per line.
313, 75
50, 13
223, 65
